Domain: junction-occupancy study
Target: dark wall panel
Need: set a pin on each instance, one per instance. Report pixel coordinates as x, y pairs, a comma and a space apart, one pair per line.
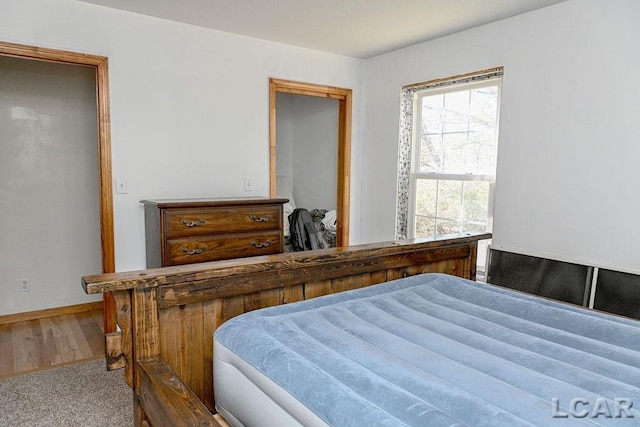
559, 280
618, 293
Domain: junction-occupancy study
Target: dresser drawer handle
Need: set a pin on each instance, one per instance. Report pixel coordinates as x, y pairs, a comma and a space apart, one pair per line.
261, 218
196, 251
190, 224
261, 245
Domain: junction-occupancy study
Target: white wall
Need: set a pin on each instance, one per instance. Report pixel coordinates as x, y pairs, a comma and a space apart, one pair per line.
568, 156
307, 148
189, 106
284, 137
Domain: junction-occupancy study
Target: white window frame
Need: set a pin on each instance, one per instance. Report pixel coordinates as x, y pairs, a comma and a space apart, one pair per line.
416, 140
410, 131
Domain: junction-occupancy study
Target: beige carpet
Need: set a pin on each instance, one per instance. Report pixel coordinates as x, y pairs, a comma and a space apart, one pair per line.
83, 395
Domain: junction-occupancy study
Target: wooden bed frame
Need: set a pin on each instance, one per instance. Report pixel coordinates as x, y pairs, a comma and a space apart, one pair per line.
167, 316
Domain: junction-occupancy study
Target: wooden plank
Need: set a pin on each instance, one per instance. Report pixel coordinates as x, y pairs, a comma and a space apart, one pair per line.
208, 272
73, 330
24, 351
454, 267
471, 263
139, 417
292, 294
6, 350
374, 278
60, 346
5, 333
91, 324
114, 354
38, 342
50, 312
146, 327
167, 401
317, 289
6, 361
124, 318
262, 299
221, 421
211, 312
231, 307
182, 344
348, 283
413, 270
295, 273
395, 273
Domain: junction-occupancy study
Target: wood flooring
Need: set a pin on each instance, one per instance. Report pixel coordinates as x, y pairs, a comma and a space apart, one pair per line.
35, 345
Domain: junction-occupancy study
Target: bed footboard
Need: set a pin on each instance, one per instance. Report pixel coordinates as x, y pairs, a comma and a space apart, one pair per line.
167, 316
168, 402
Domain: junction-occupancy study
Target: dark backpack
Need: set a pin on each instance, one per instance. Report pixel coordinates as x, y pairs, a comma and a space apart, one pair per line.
303, 232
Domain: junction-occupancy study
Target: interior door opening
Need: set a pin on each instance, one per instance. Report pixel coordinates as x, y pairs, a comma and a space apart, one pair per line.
104, 184
343, 137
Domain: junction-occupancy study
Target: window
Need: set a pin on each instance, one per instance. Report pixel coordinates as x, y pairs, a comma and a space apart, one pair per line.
448, 165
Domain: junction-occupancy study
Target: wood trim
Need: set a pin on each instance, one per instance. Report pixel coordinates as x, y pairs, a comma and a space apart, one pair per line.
46, 54
344, 97
100, 63
344, 170
106, 188
50, 312
458, 77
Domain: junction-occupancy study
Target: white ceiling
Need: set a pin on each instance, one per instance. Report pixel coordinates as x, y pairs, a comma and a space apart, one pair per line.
358, 28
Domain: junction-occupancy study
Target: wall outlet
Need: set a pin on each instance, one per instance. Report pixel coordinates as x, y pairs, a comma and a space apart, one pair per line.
25, 285
248, 183
122, 187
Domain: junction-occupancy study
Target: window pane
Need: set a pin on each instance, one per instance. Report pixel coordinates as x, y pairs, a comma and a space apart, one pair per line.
448, 227
475, 204
456, 153
432, 114
450, 200
425, 226
431, 154
458, 134
456, 117
483, 108
482, 152
445, 207
425, 221
426, 192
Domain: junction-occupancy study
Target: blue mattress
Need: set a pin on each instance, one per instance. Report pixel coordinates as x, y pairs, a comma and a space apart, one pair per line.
437, 350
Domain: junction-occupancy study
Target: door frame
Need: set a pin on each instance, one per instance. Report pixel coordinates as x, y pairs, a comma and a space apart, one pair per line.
344, 97
100, 64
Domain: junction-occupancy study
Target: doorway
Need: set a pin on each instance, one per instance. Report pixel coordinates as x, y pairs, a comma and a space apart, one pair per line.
99, 66
344, 98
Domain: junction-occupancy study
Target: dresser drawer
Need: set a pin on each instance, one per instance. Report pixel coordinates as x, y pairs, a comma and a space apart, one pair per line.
201, 221
227, 246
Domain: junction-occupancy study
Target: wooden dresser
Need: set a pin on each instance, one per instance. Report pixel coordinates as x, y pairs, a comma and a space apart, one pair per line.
186, 231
